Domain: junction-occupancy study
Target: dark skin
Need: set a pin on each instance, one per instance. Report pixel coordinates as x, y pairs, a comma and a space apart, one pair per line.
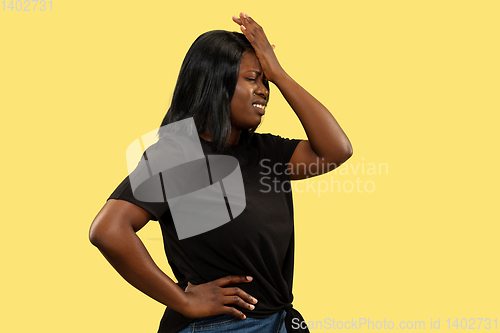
114, 229
327, 146
114, 233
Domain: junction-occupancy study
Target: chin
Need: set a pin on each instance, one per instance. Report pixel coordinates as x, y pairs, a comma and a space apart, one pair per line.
256, 125
259, 120
249, 125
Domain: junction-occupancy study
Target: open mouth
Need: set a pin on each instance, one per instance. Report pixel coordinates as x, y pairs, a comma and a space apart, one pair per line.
260, 108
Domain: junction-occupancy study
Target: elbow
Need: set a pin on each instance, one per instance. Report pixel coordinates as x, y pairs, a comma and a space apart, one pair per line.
348, 152
105, 242
99, 236
95, 237
343, 157
340, 156
107, 235
343, 154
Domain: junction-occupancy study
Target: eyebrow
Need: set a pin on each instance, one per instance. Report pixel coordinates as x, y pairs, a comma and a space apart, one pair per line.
256, 72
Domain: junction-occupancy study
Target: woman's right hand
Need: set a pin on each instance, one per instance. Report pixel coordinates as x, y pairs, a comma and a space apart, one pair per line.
209, 298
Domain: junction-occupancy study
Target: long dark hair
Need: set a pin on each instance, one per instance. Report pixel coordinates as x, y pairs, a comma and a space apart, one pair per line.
206, 85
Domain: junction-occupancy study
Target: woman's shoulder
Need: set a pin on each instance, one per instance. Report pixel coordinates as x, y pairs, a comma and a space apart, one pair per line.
263, 141
278, 147
270, 138
265, 137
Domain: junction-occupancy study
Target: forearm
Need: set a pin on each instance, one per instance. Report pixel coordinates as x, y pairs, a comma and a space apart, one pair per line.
127, 254
325, 135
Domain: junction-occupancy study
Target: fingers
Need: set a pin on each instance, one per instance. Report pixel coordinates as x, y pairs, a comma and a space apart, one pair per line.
231, 279
232, 311
236, 300
241, 294
237, 20
253, 31
248, 21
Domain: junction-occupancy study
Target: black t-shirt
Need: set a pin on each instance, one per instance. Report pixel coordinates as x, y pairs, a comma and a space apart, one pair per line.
259, 242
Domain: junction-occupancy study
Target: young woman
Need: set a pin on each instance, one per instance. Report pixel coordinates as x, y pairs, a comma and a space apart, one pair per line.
237, 277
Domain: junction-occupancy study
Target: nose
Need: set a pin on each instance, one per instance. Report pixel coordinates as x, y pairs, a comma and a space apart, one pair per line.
262, 91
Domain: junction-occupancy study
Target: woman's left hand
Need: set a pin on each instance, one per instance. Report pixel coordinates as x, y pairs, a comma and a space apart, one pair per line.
263, 49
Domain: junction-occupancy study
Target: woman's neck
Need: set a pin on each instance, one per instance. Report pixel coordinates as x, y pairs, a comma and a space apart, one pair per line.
233, 139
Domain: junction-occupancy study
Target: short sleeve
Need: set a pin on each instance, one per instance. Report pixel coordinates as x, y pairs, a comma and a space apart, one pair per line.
278, 150
286, 147
124, 192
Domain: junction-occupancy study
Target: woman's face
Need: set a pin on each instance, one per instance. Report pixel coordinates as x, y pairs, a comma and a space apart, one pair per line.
250, 94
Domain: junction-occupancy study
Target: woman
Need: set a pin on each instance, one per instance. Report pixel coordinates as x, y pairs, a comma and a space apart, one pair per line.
237, 277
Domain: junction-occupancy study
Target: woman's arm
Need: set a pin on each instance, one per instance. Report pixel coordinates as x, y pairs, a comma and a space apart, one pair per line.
328, 146
113, 232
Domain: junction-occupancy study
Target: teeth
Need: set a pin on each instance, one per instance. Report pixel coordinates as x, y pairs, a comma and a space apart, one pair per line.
259, 106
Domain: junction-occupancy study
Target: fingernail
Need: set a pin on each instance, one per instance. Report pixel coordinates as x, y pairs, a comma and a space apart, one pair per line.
255, 300
252, 306
245, 15
249, 278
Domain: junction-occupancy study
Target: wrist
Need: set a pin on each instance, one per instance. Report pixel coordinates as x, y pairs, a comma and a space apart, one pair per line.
280, 77
183, 306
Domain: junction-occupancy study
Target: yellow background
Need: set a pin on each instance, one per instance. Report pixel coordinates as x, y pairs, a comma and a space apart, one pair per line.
414, 85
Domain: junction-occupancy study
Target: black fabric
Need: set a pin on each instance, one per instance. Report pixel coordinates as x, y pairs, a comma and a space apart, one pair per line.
259, 242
